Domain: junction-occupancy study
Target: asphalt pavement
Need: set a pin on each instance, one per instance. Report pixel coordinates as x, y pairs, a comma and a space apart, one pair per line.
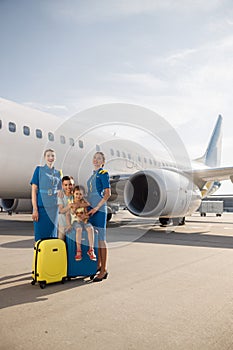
168, 288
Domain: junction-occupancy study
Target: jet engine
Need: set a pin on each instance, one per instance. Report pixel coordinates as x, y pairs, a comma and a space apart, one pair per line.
16, 205
161, 193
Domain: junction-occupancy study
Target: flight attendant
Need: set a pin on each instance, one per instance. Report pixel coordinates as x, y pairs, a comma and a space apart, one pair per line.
98, 193
46, 183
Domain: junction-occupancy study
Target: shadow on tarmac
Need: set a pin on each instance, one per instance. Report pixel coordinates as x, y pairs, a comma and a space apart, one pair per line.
197, 239
28, 243
211, 222
16, 228
131, 231
26, 293
15, 278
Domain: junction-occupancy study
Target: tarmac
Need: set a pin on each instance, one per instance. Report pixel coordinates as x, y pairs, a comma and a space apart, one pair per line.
168, 288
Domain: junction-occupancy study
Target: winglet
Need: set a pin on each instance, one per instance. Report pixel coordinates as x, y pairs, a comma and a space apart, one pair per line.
212, 156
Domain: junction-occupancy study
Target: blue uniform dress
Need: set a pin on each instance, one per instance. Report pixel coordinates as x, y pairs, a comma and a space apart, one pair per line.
48, 182
96, 185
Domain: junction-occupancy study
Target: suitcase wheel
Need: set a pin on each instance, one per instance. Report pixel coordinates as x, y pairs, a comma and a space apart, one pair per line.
33, 282
42, 285
63, 280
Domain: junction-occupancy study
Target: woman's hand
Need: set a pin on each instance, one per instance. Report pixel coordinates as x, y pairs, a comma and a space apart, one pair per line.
35, 215
93, 211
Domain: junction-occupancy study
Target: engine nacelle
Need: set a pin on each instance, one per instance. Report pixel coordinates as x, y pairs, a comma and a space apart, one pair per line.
16, 205
161, 193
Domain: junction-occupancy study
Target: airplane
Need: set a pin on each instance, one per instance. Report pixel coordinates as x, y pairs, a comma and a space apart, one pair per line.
142, 180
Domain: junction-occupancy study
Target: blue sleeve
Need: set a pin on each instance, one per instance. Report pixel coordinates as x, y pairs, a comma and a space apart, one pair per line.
105, 180
59, 185
35, 177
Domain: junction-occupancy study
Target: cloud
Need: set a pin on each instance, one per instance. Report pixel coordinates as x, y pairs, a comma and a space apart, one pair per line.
180, 56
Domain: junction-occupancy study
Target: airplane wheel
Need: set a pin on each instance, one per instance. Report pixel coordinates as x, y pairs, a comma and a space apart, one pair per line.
182, 221
164, 221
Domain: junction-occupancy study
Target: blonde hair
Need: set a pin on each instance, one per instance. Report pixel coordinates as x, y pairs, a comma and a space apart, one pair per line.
79, 188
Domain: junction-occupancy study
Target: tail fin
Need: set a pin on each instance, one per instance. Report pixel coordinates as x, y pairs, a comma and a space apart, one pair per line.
212, 156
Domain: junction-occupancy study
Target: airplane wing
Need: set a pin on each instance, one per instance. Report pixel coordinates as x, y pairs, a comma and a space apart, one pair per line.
205, 175
213, 174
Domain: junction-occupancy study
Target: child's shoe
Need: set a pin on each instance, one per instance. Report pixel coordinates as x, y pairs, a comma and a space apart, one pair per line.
78, 255
91, 254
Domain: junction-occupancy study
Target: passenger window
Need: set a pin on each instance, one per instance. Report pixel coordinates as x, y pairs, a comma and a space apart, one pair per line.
112, 152
38, 133
129, 156
139, 158
123, 155
71, 141
97, 147
118, 153
51, 136
12, 127
145, 160
0, 124
26, 130
62, 139
80, 143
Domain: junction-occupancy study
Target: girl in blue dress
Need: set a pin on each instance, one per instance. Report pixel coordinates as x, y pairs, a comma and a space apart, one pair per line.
98, 193
46, 183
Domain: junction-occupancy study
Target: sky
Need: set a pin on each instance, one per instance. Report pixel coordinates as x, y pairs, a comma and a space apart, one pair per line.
174, 57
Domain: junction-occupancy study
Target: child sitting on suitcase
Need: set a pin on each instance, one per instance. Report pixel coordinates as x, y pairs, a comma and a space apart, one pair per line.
78, 217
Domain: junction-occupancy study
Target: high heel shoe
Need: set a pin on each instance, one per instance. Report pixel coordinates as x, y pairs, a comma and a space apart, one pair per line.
93, 276
98, 279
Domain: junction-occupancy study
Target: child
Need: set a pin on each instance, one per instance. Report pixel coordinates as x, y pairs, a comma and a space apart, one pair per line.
63, 205
79, 218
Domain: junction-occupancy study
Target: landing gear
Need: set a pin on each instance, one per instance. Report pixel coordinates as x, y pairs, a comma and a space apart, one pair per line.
164, 222
174, 221
179, 221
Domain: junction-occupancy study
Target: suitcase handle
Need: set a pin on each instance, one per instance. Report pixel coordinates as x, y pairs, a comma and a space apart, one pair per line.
55, 249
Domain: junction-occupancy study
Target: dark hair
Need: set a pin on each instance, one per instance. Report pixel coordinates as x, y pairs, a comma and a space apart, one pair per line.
65, 178
102, 154
48, 150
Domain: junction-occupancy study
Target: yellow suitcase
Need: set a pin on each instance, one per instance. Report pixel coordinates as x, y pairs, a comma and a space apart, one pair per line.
49, 262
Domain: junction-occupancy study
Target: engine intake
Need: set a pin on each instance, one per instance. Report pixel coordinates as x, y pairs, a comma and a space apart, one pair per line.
16, 205
160, 192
